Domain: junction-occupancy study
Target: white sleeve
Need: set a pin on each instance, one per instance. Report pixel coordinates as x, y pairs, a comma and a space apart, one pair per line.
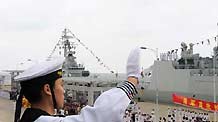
109, 107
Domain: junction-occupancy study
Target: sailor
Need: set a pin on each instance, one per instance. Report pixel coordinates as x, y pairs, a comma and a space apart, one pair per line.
42, 85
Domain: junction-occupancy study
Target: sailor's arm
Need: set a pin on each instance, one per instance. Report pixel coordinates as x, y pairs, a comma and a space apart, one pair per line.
110, 106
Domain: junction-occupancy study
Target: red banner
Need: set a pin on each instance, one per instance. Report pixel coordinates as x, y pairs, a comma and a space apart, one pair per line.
205, 105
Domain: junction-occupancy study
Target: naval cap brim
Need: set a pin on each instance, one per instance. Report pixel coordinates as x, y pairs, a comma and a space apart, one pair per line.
41, 69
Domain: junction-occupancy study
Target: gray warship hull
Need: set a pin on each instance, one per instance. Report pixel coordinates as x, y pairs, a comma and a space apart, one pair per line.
167, 80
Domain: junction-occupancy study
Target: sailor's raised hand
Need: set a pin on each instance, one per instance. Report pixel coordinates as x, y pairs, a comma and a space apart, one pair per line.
133, 66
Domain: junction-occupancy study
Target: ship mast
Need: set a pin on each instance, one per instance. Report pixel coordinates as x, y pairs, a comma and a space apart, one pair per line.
69, 49
66, 43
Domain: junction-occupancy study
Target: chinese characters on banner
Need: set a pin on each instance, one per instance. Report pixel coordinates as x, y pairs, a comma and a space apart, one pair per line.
205, 105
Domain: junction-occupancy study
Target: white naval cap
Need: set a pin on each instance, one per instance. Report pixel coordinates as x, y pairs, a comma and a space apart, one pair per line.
41, 69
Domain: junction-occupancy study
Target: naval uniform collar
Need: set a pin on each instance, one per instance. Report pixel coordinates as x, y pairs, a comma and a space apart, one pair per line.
32, 114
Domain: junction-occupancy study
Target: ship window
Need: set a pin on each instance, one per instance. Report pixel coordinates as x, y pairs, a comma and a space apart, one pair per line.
190, 61
181, 61
70, 54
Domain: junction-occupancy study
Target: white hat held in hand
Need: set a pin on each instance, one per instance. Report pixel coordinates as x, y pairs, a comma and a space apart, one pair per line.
133, 63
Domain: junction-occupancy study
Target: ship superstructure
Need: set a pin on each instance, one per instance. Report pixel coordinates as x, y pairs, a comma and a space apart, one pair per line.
190, 75
81, 85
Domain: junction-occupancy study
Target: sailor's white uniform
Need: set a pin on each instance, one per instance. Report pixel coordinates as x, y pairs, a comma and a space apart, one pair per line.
109, 107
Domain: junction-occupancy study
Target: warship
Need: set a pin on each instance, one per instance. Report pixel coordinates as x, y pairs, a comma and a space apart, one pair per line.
81, 85
189, 75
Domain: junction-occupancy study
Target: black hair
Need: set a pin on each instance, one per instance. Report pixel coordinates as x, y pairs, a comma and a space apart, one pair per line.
31, 89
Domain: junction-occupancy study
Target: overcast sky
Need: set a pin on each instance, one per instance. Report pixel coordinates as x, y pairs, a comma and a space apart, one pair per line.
29, 29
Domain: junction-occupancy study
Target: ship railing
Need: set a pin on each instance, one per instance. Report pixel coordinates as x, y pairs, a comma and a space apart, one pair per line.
185, 66
203, 72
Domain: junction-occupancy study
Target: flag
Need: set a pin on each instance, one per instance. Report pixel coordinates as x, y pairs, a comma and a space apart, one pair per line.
78, 40
208, 41
172, 51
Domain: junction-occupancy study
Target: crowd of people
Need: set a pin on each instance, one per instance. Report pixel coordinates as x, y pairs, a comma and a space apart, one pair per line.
73, 107
134, 114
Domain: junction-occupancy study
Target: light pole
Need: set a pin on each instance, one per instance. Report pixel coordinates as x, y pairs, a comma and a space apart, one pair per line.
156, 83
214, 83
214, 78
